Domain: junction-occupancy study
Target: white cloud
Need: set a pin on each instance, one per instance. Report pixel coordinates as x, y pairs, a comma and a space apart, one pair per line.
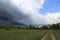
31, 7
52, 17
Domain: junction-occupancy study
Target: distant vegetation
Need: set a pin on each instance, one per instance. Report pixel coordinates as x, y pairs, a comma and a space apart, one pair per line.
53, 26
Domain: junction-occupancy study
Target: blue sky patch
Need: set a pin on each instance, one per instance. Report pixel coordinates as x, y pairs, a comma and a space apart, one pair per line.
50, 6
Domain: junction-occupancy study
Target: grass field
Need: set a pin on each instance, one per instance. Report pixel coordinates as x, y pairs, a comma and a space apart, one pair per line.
57, 34
21, 34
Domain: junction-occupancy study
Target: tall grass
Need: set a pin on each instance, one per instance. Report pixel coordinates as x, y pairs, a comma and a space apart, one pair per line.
21, 34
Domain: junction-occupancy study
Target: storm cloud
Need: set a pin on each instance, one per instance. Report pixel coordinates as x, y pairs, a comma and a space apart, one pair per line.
27, 11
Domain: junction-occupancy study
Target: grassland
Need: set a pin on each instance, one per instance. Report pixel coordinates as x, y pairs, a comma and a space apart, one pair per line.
21, 34
57, 34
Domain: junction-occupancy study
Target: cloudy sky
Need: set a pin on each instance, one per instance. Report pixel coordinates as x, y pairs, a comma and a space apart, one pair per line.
33, 11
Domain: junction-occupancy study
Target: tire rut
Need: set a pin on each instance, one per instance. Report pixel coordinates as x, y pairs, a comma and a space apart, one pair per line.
45, 36
53, 37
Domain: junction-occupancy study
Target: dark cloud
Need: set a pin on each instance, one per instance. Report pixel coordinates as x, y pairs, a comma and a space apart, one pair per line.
5, 15
11, 12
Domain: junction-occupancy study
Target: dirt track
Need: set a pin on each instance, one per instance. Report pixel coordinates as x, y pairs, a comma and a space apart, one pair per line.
44, 37
53, 38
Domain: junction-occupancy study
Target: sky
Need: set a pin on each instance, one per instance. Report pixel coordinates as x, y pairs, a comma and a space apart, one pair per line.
51, 6
39, 12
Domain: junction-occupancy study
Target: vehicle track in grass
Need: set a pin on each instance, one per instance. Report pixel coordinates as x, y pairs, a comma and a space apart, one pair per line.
52, 36
44, 36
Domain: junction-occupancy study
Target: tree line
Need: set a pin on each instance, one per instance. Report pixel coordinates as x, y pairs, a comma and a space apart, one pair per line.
44, 27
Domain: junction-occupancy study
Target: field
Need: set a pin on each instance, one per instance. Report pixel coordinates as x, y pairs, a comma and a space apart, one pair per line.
56, 34
21, 34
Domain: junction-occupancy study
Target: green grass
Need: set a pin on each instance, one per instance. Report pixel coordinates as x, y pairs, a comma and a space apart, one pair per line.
57, 34
21, 34
48, 36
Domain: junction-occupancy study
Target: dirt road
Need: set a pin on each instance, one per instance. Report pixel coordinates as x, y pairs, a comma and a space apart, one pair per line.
44, 37
52, 36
